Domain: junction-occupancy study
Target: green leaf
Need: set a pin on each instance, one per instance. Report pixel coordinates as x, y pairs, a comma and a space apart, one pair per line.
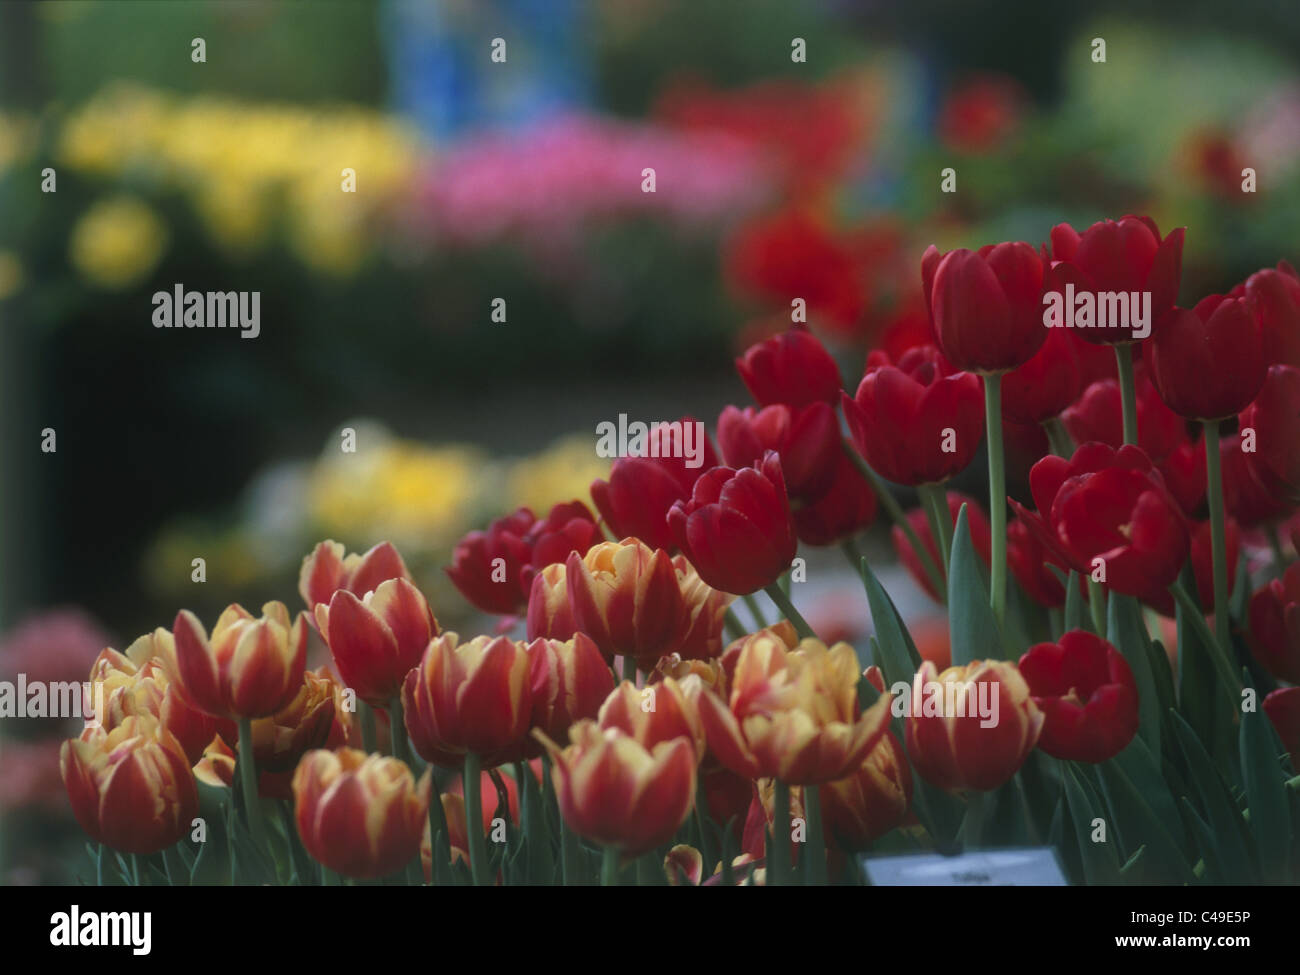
1222, 817
1124, 628
1136, 825
973, 629
898, 658
1215, 872
1100, 860
1073, 603
1270, 819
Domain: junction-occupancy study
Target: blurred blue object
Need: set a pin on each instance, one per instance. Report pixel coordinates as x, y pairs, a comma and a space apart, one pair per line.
442, 75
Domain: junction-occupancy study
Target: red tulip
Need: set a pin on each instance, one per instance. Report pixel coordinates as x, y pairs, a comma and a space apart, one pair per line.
986, 305
848, 507
1045, 385
793, 368
377, 640
635, 500
549, 614
494, 569
570, 681
971, 728
980, 534
1098, 416
807, 439
1208, 363
1275, 625
1275, 419
1276, 294
627, 598
1087, 694
1184, 474
1027, 558
903, 418
1244, 497
1109, 505
1121, 256
736, 529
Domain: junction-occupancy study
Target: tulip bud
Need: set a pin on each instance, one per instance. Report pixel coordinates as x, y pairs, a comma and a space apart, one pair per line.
792, 368
1275, 418
615, 792
626, 597
327, 570
847, 507
1275, 625
360, 815
1208, 363
300, 726
1283, 709
657, 712
548, 605
971, 727
1087, 695
376, 640
131, 788
570, 680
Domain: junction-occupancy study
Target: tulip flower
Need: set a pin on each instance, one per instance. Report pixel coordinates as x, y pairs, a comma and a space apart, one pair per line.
569, 681
1249, 502
971, 727
494, 569
1027, 558
684, 866
614, 791
1087, 695
549, 614
792, 715
359, 815
1275, 625
904, 417
847, 508
792, 368
1200, 555
1184, 474
1098, 416
457, 824
807, 439
1274, 417
736, 529
377, 639
1122, 256
250, 668
142, 680
300, 726
1108, 505
131, 788
986, 305
1283, 709
640, 490
627, 598
470, 699
655, 713
704, 616
327, 570
1045, 385
1276, 294
1208, 363
869, 802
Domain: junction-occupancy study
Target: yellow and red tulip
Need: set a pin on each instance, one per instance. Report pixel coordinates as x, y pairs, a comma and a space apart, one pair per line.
131, 787
360, 815
249, 668
328, 569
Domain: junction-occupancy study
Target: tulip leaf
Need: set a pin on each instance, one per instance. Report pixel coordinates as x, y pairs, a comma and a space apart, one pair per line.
1135, 823
973, 628
1125, 629
1270, 817
1135, 866
1099, 858
1142, 769
1215, 872
1222, 817
898, 657
1199, 699
1073, 602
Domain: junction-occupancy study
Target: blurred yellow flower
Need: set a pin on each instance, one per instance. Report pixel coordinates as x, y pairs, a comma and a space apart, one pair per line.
11, 274
117, 242
562, 472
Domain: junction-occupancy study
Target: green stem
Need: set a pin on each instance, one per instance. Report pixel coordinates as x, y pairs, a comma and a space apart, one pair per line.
1058, 438
473, 780
1056, 622
896, 515
397, 729
1127, 392
629, 669
733, 624
1218, 537
248, 784
997, 496
778, 851
609, 867
786, 607
1228, 675
935, 500
755, 610
815, 873
1097, 606
368, 733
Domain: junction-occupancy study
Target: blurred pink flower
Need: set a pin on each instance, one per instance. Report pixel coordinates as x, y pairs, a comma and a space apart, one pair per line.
550, 180
29, 776
52, 645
